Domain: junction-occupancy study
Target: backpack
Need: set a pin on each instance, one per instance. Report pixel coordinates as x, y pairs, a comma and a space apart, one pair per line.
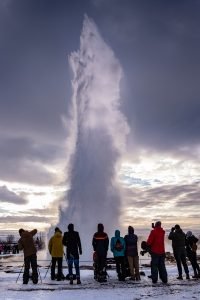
194, 247
118, 245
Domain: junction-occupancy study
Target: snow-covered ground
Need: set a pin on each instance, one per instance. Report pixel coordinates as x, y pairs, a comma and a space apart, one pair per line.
90, 289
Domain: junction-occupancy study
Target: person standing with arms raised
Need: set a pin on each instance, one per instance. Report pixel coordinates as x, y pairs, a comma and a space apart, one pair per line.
26, 243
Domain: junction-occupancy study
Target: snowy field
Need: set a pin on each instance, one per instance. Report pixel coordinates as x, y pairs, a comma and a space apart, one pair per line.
90, 289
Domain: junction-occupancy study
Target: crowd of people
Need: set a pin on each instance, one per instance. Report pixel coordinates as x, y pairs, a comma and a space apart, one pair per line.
124, 249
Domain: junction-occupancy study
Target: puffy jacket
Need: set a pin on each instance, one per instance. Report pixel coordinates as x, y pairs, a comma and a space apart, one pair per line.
190, 242
55, 245
131, 240
71, 240
26, 243
156, 240
100, 241
114, 239
178, 239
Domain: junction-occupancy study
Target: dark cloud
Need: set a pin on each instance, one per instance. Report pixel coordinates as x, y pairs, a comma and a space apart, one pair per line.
24, 219
157, 43
8, 196
179, 196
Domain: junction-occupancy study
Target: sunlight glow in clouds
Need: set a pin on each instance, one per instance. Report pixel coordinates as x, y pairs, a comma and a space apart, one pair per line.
158, 170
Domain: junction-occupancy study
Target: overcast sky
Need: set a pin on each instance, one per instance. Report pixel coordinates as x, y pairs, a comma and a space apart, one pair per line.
157, 43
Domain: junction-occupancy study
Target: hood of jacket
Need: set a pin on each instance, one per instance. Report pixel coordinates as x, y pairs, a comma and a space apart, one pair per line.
71, 227
117, 233
130, 230
58, 234
100, 227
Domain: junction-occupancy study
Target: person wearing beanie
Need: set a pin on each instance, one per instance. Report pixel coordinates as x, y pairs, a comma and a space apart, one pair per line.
191, 250
26, 243
100, 243
55, 247
178, 238
131, 241
71, 240
156, 244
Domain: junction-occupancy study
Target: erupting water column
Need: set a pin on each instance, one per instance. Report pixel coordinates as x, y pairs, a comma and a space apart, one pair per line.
99, 134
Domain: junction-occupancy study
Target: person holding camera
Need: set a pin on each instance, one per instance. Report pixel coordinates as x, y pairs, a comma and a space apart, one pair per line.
178, 238
26, 243
155, 243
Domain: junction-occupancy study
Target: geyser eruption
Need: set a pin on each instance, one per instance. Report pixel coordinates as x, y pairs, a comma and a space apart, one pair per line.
99, 135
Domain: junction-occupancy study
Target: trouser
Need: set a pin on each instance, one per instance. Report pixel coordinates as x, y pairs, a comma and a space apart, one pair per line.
193, 259
158, 267
120, 266
30, 261
74, 261
57, 260
101, 263
133, 262
180, 257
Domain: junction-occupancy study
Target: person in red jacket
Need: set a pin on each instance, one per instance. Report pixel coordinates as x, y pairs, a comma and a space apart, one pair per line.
156, 243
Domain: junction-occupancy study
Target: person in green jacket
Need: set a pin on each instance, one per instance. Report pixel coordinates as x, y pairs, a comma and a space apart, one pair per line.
55, 247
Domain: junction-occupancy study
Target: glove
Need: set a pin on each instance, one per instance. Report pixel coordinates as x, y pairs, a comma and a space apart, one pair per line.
80, 252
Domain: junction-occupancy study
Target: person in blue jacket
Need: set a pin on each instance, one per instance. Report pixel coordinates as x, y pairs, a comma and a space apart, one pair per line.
118, 247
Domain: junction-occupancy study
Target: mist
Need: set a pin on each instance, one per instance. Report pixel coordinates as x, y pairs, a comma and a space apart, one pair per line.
97, 140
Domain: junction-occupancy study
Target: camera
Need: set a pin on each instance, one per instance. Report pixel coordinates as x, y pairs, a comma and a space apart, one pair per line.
152, 225
142, 252
145, 248
173, 228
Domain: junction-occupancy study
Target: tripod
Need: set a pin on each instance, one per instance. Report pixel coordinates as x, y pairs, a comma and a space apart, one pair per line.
21, 272
47, 270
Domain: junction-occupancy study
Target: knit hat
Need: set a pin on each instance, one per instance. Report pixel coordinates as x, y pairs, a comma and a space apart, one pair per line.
57, 229
71, 227
130, 229
158, 224
100, 227
188, 234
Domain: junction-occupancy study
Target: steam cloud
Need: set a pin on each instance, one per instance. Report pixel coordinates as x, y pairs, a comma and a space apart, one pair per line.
99, 133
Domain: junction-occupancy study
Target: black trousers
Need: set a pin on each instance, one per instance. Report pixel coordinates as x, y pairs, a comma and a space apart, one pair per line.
30, 261
193, 259
101, 263
53, 267
180, 257
120, 266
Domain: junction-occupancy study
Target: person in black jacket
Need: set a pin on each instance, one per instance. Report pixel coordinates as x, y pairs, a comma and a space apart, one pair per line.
131, 241
191, 249
100, 244
71, 240
178, 245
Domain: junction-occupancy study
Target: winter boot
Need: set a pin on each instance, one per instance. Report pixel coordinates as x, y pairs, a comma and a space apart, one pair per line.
78, 281
187, 276
71, 279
